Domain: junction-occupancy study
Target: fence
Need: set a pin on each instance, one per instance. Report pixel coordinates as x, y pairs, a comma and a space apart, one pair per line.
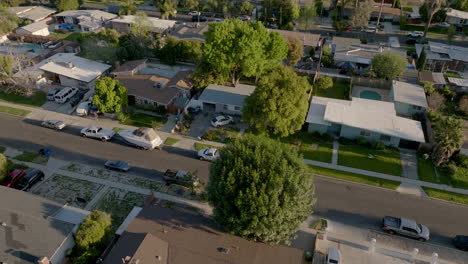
373, 83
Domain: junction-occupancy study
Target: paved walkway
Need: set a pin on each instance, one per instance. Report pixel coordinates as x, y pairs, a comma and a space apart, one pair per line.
409, 164
335, 149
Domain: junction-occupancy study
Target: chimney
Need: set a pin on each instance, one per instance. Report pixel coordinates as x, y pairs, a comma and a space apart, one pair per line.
43, 260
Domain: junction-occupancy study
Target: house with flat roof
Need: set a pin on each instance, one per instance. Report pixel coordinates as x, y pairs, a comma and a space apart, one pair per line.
160, 26
85, 20
408, 98
371, 119
456, 17
191, 32
167, 236
224, 99
74, 71
129, 67
32, 13
35, 228
441, 57
40, 28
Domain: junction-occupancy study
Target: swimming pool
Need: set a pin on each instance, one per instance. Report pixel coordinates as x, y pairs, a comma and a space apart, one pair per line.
371, 95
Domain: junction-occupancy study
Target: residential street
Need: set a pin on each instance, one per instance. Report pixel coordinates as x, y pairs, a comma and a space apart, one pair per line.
344, 202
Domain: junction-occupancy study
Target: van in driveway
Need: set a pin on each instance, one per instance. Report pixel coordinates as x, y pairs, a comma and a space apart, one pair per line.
52, 93
65, 94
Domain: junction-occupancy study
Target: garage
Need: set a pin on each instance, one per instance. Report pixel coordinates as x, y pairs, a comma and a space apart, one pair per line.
207, 107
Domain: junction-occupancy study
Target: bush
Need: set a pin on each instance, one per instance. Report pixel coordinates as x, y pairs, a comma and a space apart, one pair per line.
346, 141
93, 231
461, 160
449, 94
316, 134
3, 166
326, 137
122, 117
362, 141
378, 145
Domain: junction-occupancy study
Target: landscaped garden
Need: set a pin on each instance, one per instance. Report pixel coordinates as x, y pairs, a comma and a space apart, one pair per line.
313, 146
222, 135
38, 98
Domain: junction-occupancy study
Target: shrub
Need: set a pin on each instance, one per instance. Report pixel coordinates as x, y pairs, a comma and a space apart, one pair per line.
428, 87
463, 105
316, 134
361, 141
449, 94
94, 230
461, 160
378, 145
345, 141
326, 137
122, 117
3, 166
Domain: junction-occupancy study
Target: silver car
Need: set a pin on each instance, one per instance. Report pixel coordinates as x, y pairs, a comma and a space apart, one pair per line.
53, 124
208, 154
97, 132
117, 165
222, 120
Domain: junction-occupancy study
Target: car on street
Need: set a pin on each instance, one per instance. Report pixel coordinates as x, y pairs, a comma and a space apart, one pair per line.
208, 154
51, 94
199, 19
222, 120
28, 180
443, 25
97, 132
405, 227
194, 13
13, 177
333, 256
117, 165
244, 18
369, 29
416, 34
461, 242
53, 124
76, 99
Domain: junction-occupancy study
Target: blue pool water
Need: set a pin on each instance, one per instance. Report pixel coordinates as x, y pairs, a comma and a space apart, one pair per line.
371, 95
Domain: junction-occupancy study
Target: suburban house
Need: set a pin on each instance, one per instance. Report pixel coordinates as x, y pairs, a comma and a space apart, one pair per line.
456, 17
191, 32
153, 90
73, 71
35, 230
388, 12
309, 40
85, 20
129, 67
408, 98
459, 85
371, 119
225, 99
441, 57
40, 28
167, 236
160, 26
32, 13
351, 53
437, 78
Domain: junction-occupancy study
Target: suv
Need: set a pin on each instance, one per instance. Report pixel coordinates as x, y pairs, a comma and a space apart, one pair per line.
13, 177
28, 180
333, 256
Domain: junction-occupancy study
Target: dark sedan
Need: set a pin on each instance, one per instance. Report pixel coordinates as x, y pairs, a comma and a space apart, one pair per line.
28, 180
117, 165
76, 99
461, 242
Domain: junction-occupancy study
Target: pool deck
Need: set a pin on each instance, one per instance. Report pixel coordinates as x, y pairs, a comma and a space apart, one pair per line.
384, 94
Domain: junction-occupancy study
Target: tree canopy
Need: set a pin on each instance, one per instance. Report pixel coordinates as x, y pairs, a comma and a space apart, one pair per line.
448, 135
295, 50
324, 82
279, 103
260, 189
246, 8
6, 67
461, 5
94, 230
111, 95
167, 8
280, 12
361, 14
179, 50
234, 49
63, 5
307, 15
8, 21
388, 65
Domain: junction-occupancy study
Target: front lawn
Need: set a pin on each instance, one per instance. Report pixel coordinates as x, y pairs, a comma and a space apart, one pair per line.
14, 111
171, 141
446, 195
32, 157
426, 170
222, 135
457, 179
314, 148
200, 146
144, 120
354, 177
340, 90
384, 161
37, 99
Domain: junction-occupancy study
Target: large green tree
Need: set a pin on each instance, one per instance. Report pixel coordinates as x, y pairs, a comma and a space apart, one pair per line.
6, 67
168, 8
111, 95
279, 103
433, 6
8, 21
246, 8
388, 65
307, 15
295, 50
361, 14
461, 5
63, 5
448, 135
260, 189
179, 50
234, 49
280, 12
94, 230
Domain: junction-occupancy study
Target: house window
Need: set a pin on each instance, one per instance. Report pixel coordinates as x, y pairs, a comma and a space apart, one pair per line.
365, 133
237, 108
417, 107
225, 107
385, 138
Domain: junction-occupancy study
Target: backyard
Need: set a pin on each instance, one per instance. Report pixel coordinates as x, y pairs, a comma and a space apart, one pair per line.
340, 90
144, 120
383, 161
37, 99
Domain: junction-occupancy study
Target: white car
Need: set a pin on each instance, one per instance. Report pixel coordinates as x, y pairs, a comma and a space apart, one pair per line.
416, 34
208, 154
194, 13
97, 132
83, 108
54, 124
333, 256
222, 120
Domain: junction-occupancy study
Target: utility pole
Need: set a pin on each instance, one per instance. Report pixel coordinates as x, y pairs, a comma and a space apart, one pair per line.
378, 19
317, 70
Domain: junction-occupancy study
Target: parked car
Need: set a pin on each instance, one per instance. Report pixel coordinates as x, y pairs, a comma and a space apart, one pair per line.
28, 180
370, 29
117, 165
208, 154
65, 26
65, 94
461, 242
244, 18
443, 25
194, 13
78, 97
83, 108
333, 256
199, 19
416, 34
54, 124
13, 177
52, 93
97, 132
405, 227
222, 120
54, 45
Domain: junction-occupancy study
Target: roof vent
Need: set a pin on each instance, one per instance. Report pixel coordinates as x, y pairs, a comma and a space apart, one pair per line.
223, 250
70, 65
4, 224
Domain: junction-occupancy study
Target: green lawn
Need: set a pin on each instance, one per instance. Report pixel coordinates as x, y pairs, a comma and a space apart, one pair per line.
72, 36
340, 90
445, 195
354, 177
13, 111
457, 180
384, 161
144, 120
426, 170
171, 141
32, 157
313, 148
38, 98
200, 146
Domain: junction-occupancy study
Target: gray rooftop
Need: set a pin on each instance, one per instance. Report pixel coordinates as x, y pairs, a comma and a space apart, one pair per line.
96, 14
409, 93
33, 27
441, 51
31, 231
34, 13
220, 94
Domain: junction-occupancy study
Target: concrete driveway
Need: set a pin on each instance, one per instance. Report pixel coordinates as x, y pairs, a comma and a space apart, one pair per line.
202, 123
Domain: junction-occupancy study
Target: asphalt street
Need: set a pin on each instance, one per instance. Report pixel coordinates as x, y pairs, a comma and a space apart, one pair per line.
354, 204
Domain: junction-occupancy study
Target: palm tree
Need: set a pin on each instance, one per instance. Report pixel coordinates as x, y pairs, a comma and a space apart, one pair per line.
432, 7
448, 135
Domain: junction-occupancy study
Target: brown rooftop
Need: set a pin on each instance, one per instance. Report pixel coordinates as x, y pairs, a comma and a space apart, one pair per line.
181, 80
308, 39
129, 65
434, 77
195, 239
145, 86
